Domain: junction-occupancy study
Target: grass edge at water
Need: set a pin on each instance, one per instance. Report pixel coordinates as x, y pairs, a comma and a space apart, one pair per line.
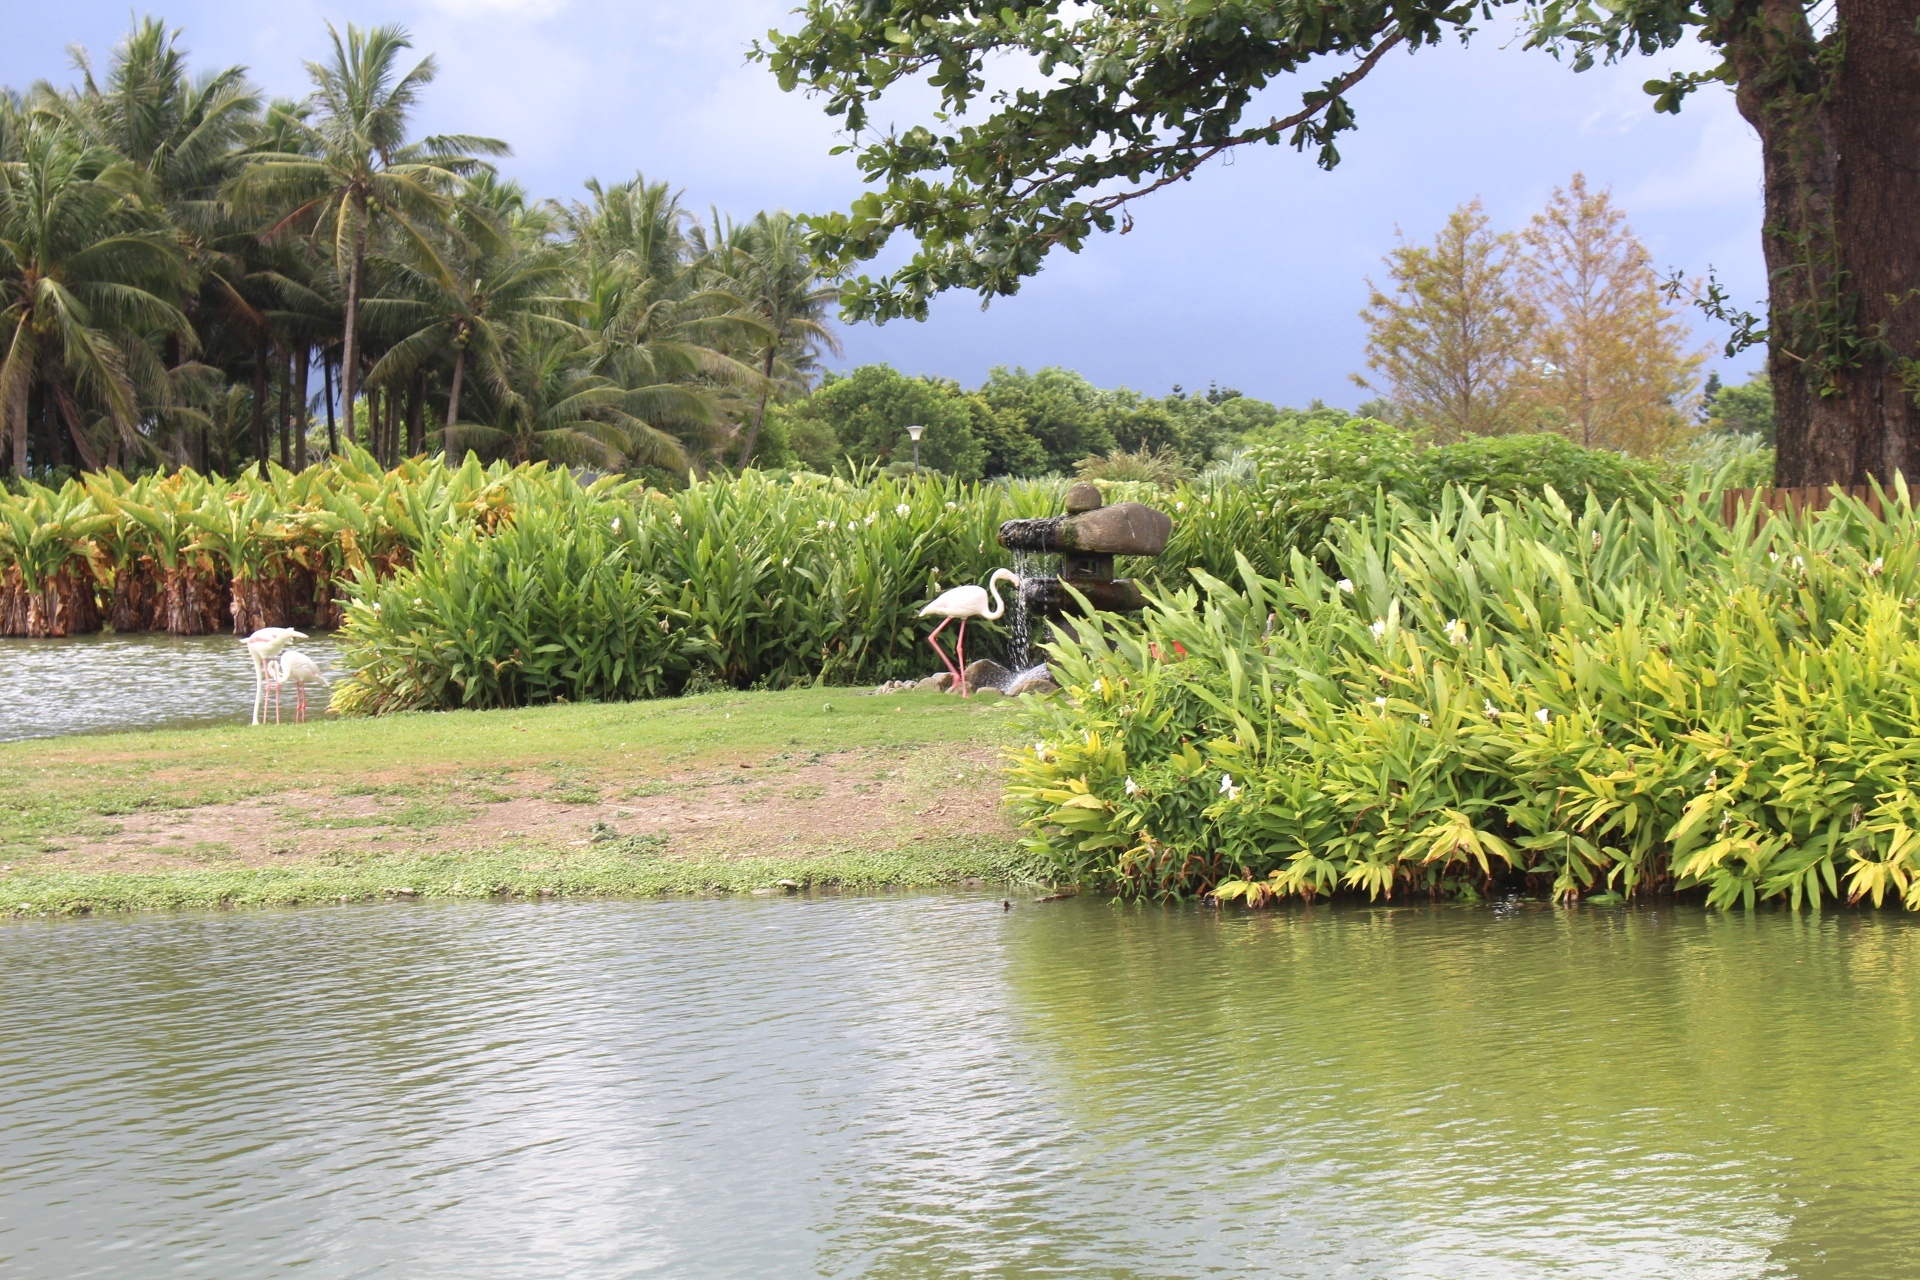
920, 865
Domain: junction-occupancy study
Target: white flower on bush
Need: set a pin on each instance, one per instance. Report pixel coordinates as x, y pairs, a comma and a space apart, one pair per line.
418, 603
1542, 716
786, 562
1878, 567
953, 506
1040, 751
853, 526
1457, 631
676, 519
1381, 703
1493, 712
1379, 629
823, 524
616, 524
872, 516
903, 510
666, 624
1227, 788
1425, 718
1179, 506
1345, 585
1132, 786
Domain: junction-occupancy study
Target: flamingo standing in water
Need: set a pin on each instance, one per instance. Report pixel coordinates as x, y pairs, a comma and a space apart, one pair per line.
295, 668
964, 603
262, 646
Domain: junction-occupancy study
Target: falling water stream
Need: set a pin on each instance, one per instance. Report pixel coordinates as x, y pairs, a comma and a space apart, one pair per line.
1020, 643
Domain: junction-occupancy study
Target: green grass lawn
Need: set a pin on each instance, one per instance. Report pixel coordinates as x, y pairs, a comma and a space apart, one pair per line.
723, 792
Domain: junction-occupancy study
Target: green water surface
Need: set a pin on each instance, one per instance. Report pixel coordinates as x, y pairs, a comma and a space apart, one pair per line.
928, 1086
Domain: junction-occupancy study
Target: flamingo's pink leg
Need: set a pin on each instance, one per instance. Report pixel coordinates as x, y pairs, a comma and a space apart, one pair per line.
300, 703
961, 648
958, 680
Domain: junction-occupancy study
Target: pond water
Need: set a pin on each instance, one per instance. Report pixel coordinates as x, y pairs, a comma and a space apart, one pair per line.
103, 683
932, 1086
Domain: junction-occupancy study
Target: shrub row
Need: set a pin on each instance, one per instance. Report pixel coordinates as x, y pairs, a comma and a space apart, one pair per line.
1497, 695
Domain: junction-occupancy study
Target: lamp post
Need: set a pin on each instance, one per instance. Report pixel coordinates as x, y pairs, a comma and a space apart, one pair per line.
914, 431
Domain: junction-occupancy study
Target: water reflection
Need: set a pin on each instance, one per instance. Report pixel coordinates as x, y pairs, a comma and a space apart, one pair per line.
103, 683
923, 1086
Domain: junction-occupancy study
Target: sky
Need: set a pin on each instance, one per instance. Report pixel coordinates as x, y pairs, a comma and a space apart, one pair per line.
1250, 276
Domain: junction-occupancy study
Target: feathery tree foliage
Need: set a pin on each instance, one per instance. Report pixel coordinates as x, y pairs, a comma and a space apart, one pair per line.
182, 261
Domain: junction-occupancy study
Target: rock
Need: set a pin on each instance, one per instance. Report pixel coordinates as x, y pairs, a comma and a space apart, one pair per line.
1040, 681
936, 684
1083, 497
987, 694
898, 686
985, 673
788, 885
1124, 529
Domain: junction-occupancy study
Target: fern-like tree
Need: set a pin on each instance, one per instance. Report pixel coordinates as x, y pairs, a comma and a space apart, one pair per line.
1446, 336
359, 174
1610, 364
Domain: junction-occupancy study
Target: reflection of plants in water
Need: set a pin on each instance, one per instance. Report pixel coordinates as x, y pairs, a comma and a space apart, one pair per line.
1671, 1081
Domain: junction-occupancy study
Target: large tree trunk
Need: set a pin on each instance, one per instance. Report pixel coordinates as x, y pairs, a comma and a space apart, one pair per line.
453, 405
1839, 128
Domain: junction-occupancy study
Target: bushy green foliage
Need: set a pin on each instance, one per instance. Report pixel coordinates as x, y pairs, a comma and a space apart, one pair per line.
1315, 468
1745, 408
1607, 698
1016, 423
618, 592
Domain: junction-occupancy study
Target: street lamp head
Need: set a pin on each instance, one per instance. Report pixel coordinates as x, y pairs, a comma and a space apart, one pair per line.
913, 432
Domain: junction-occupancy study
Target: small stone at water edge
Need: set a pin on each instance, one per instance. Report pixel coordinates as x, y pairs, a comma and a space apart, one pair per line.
788, 884
404, 893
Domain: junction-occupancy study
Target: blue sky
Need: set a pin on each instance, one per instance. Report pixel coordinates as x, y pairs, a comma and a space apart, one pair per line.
1251, 276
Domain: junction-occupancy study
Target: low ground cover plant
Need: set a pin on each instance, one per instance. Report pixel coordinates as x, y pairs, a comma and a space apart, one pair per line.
1497, 694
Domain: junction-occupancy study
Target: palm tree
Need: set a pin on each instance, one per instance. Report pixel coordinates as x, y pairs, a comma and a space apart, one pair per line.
87, 269
550, 406
770, 269
362, 170
497, 275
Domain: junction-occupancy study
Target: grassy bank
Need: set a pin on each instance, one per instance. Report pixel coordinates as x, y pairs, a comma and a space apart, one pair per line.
727, 792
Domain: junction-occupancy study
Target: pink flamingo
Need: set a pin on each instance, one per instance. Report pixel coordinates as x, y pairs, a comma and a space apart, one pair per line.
964, 603
262, 645
295, 668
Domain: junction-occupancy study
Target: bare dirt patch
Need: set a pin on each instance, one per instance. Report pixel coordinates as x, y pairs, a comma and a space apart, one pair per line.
813, 803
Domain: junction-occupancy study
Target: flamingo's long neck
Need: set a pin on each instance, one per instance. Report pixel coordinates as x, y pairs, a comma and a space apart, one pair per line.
993, 589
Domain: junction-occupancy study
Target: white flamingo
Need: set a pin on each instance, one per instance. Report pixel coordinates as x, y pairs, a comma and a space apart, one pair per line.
262, 645
964, 603
295, 668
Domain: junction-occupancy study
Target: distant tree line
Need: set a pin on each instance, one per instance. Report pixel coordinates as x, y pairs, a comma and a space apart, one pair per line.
1017, 423
193, 275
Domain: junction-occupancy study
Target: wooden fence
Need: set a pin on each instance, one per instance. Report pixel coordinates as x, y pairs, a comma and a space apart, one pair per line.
1794, 501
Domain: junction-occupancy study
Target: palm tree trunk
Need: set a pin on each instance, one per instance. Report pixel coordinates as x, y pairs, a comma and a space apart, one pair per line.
260, 404
417, 415
350, 344
760, 410
326, 380
454, 458
14, 408
70, 413
302, 360
286, 411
